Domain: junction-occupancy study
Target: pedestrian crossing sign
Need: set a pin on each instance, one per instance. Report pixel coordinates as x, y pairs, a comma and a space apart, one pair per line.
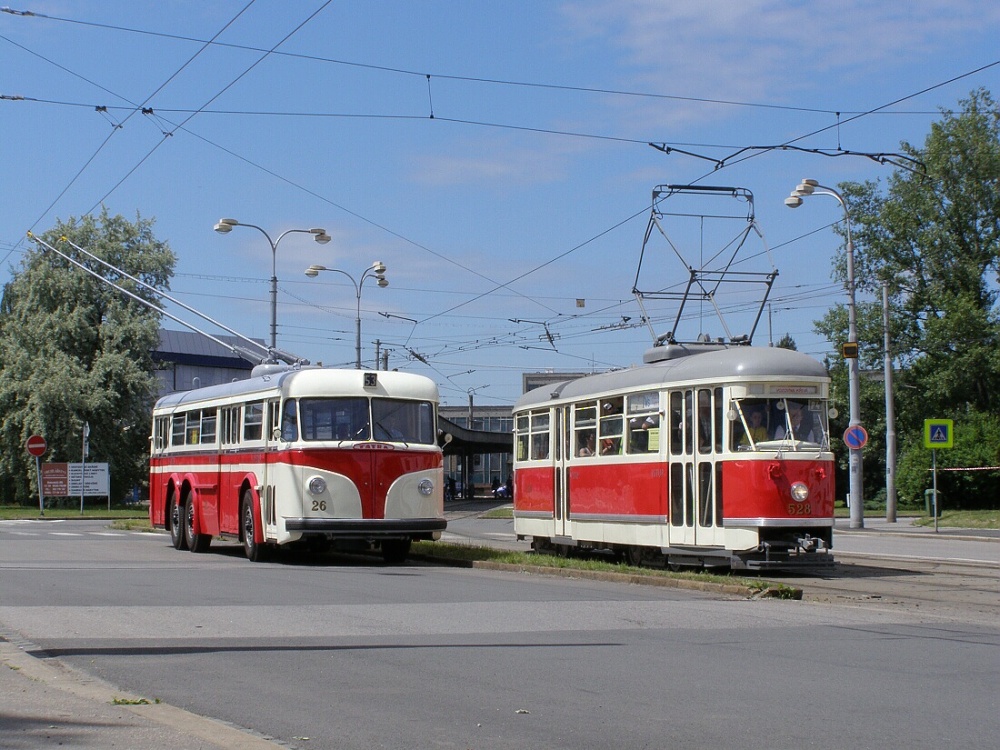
939, 433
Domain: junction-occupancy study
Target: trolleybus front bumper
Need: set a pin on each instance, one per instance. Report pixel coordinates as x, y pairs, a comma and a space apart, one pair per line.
365, 528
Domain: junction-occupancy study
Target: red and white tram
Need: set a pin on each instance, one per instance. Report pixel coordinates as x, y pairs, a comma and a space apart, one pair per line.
702, 456
347, 458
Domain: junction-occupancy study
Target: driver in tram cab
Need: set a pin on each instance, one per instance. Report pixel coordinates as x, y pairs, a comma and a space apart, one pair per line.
801, 422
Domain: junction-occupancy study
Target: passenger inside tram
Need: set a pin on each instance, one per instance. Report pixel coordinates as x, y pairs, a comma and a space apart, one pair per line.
756, 431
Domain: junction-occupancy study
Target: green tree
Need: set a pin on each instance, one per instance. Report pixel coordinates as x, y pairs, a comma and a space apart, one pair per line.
933, 236
74, 350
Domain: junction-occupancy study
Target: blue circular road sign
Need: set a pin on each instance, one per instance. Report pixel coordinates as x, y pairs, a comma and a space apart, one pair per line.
855, 437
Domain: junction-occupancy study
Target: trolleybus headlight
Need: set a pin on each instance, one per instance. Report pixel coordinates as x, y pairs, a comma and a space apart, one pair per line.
800, 492
426, 486
317, 485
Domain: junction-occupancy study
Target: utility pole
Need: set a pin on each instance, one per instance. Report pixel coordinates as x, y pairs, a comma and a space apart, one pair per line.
890, 414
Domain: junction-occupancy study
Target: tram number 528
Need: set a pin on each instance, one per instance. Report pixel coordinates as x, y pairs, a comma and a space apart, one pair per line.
795, 509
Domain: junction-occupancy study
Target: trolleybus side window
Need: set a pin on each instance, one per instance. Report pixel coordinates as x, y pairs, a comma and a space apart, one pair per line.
585, 425
229, 420
161, 433
273, 420
208, 426
253, 420
289, 421
177, 429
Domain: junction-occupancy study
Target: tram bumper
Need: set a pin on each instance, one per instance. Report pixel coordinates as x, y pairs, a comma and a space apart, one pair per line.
807, 554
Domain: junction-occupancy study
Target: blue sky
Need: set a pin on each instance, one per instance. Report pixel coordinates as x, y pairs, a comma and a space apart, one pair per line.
526, 194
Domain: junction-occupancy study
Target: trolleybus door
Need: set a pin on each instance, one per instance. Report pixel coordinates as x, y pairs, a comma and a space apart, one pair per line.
272, 470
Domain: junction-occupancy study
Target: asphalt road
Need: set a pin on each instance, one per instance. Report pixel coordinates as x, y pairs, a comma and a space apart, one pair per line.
351, 653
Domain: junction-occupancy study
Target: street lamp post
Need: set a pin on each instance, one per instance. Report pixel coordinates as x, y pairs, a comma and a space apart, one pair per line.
224, 226
812, 187
375, 271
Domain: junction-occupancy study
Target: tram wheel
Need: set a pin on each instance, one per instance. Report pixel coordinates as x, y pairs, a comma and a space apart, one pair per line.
634, 555
394, 551
176, 523
195, 542
251, 548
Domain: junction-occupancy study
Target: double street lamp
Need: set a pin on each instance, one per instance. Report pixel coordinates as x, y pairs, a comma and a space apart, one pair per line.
226, 225
812, 187
375, 271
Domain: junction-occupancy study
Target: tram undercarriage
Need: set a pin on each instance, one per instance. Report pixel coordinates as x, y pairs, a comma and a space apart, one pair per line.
785, 551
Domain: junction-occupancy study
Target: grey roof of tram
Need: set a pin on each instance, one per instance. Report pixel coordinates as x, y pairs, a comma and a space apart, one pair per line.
717, 365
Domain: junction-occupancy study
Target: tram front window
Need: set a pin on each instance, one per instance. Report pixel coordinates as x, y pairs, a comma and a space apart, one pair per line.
779, 423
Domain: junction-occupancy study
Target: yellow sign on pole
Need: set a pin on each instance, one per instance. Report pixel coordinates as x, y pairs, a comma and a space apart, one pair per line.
939, 433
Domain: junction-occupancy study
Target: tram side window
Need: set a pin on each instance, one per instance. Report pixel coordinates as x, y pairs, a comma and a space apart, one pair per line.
253, 420
674, 416
612, 421
523, 440
585, 424
539, 435
644, 423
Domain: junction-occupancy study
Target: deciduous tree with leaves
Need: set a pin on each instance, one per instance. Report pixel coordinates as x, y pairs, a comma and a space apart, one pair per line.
74, 350
933, 235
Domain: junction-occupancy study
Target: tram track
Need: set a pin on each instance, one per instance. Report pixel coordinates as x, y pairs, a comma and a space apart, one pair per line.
943, 589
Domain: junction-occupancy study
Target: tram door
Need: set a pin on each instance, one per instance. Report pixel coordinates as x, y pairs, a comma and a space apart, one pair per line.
695, 439
562, 450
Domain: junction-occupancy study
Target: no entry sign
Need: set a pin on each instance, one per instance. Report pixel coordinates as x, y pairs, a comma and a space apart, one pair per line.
37, 445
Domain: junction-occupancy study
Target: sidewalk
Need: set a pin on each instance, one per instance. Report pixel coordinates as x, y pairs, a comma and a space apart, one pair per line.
905, 525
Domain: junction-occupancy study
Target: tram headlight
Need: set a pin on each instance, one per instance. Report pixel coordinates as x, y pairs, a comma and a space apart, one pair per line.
800, 492
317, 486
426, 487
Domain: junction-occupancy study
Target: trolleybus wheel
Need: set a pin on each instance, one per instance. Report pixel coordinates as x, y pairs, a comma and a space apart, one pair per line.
195, 542
394, 551
176, 522
253, 550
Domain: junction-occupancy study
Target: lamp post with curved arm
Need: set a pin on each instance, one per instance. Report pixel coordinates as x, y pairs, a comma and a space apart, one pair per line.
812, 187
224, 226
375, 271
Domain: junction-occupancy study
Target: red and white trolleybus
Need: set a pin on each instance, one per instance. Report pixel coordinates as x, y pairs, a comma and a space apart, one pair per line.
347, 458
701, 456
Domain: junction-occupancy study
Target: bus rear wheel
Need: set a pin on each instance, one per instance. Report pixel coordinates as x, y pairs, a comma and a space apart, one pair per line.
195, 542
251, 547
176, 523
394, 551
